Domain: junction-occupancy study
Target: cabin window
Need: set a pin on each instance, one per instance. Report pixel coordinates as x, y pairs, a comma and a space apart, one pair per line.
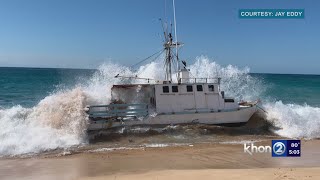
189, 88
165, 89
199, 88
174, 89
229, 100
211, 87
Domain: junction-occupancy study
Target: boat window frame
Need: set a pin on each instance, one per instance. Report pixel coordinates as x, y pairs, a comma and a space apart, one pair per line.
199, 88
189, 86
174, 90
211, 89
165, 90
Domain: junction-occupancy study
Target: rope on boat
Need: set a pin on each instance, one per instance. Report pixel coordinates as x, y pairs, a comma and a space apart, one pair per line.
261, 109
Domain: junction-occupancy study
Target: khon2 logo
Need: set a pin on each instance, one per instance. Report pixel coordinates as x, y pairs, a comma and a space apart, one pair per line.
279, 148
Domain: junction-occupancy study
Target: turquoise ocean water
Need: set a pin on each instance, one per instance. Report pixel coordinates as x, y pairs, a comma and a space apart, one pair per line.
43, 109
27, 86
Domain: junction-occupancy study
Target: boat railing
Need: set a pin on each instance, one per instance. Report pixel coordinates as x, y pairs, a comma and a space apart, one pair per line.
202, 80
118, 110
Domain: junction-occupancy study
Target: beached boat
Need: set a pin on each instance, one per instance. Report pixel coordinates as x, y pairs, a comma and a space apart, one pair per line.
168, 102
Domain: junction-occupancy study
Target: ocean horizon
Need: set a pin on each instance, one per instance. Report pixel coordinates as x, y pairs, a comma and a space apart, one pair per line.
31, 67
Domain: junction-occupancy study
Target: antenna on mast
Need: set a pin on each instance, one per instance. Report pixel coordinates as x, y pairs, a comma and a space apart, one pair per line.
165, 9
175, 35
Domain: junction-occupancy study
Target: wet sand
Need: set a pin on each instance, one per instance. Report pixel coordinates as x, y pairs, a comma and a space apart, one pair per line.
204, 161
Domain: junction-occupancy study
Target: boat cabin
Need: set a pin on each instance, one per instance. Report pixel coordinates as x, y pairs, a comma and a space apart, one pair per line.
175, 98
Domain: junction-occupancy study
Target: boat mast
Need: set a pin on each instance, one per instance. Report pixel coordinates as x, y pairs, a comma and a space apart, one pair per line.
168, 47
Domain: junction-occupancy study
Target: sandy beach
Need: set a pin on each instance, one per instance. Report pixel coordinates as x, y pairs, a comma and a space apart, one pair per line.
206, 161
264, 173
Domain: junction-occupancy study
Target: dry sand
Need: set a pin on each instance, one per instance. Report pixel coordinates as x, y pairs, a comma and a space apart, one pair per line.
205, 161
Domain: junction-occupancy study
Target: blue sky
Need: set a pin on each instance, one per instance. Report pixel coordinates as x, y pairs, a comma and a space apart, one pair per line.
85, 33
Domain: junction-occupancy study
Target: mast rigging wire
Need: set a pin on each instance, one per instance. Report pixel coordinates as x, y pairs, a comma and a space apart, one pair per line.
159, 52
143, 60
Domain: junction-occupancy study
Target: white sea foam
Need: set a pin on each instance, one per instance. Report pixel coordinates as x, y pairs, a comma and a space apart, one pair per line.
162, 145
115, 149
240, 142
59, 121
155, 145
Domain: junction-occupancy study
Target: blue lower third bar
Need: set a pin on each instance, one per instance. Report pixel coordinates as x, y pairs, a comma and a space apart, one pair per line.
271, 13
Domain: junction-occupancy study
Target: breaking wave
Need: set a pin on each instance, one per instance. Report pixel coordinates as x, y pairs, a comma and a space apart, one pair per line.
236, 82
58, 121
293, 120
290, 120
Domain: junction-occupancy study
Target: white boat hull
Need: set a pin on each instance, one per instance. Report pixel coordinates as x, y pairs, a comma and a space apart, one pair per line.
241, 115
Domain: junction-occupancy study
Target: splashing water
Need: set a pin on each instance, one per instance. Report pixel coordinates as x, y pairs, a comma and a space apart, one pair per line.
235, 82
53, 123
59, 120
294, 121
